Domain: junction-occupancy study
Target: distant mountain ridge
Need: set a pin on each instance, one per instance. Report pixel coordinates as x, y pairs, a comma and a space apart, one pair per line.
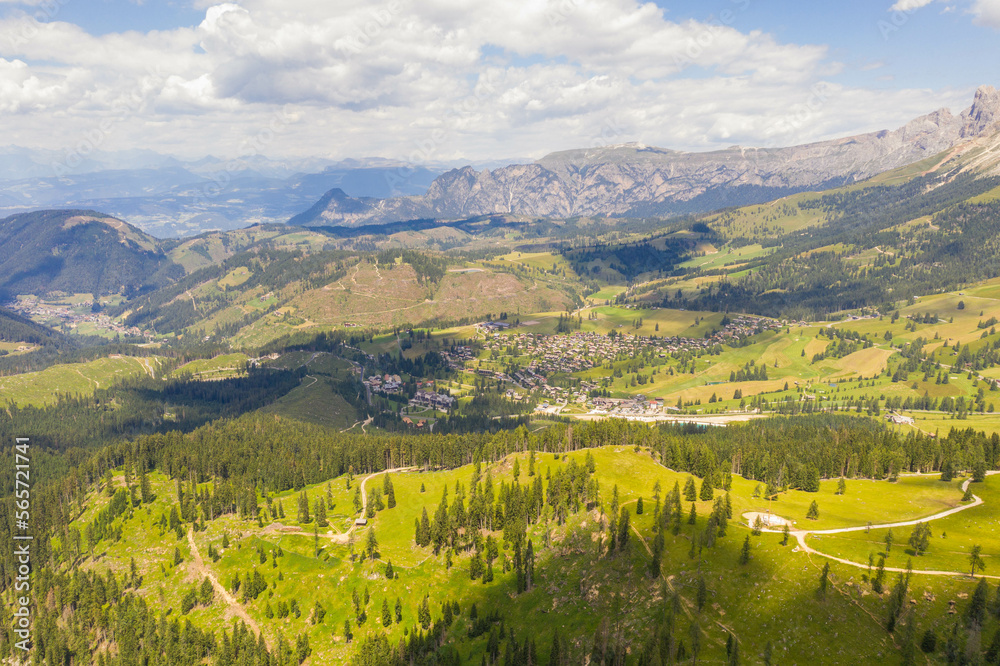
636, 180
168, 197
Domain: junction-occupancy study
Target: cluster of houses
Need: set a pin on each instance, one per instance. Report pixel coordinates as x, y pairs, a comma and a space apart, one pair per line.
576, 352
36, 310
385, 383
458, 357
565, 353
626, 407
492, 326
899, 419
433, 400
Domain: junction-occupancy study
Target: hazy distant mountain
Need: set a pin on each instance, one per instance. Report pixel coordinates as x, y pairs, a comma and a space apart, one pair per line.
168, 197
636, 180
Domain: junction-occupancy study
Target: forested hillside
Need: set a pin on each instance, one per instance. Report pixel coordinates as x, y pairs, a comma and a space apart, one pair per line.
520, 542
78, 251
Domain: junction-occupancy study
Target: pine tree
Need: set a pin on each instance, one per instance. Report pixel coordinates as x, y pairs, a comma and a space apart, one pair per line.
424, 614
690, 491
701, 594
813, 512
318, 613
975, 612
655, 563
399, 610
475, 566
638, 507
529, 566
732, 650
745, 551
920, 538
707, 492
319, 512
624, 526
824, 580
390, 493
386, 613
371, 544
303, 507
145, 488
878, 583
693, 516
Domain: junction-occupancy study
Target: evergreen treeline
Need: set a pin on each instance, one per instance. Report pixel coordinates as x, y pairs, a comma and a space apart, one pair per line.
797, 279
236, 456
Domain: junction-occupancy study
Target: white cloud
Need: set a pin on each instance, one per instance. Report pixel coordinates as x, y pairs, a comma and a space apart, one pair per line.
909, 5
435, 79
987, 12
984, 12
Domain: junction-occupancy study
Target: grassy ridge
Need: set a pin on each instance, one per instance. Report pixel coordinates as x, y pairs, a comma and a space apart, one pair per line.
772, 599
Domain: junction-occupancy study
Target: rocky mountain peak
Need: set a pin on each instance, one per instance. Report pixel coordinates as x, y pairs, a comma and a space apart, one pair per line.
640, 180
984, 114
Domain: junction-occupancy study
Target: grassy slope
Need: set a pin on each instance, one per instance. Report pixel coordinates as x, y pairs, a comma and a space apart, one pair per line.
773, 598
42, 388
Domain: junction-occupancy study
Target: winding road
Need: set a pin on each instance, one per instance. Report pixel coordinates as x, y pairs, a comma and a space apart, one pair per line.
800, 536
345, 537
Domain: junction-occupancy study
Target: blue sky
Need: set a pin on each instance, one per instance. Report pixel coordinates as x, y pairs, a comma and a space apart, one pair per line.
100, 17
429, 80
935, 46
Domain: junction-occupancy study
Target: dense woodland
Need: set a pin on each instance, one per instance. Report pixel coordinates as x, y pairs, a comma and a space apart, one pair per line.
43, 251
803, 279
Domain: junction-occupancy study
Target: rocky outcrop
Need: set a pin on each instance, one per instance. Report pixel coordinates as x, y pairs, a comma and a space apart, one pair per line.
636, 179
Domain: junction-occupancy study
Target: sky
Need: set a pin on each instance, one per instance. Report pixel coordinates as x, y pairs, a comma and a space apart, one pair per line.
430, 81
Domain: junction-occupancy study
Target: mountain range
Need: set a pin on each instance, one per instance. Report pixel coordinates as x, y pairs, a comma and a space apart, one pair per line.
168, 197
635, 180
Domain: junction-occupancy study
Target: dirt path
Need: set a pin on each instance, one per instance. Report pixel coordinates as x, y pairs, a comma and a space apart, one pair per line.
88, 378
800, 536
344, 537
235, 608
146, 365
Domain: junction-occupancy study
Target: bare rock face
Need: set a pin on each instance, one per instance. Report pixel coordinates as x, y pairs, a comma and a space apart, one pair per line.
984, 114
636, 179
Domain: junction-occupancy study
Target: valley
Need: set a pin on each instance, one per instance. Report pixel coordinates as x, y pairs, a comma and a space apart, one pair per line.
509, 436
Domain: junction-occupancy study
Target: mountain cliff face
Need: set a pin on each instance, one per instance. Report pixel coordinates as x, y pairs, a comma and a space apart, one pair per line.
633, 179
